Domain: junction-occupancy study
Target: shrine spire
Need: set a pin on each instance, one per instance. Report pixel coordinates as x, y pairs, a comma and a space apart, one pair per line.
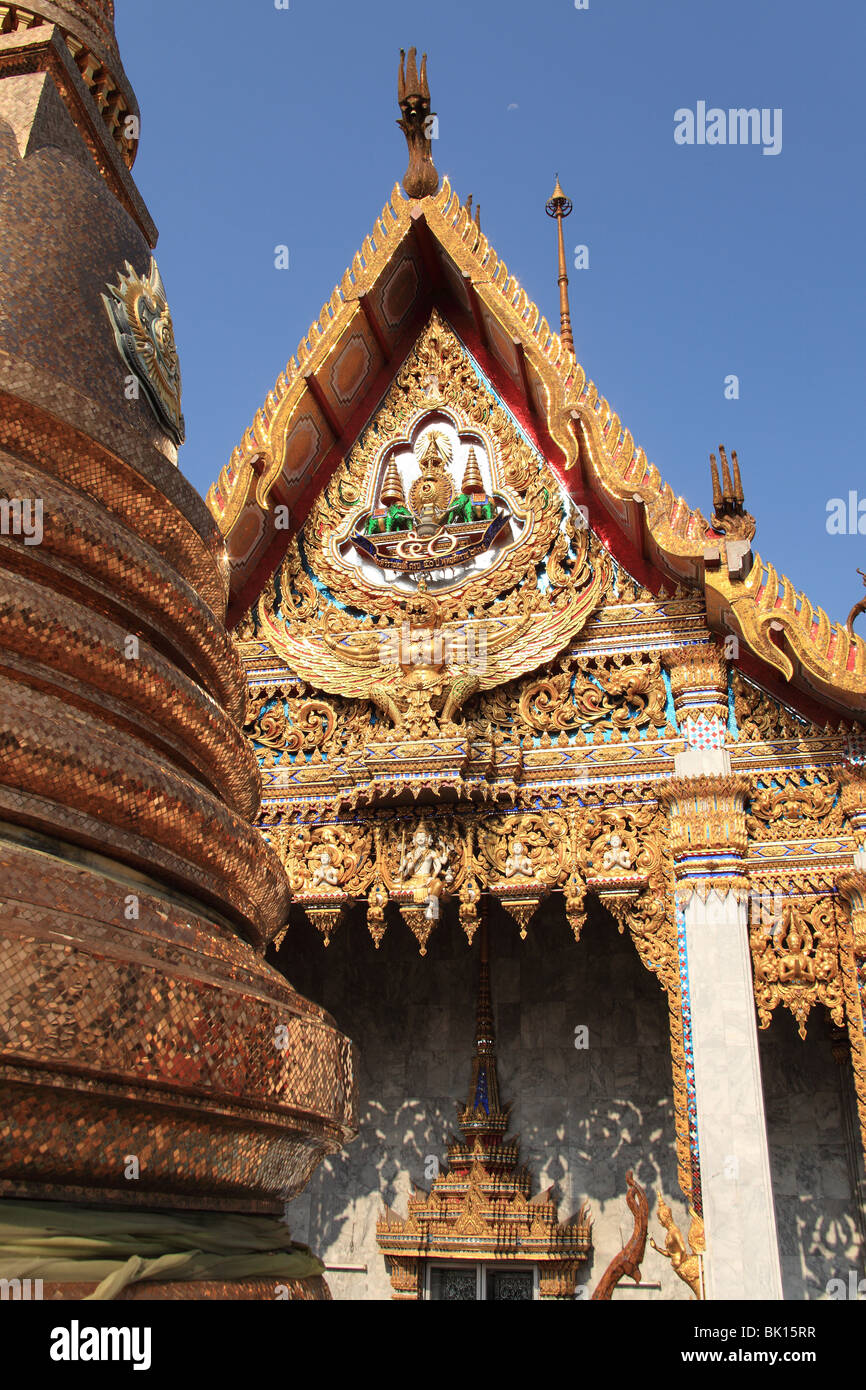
483, 1115
560, 206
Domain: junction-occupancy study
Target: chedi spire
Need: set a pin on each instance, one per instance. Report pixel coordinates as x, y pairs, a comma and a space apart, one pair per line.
473, 483
392, 487
87, 29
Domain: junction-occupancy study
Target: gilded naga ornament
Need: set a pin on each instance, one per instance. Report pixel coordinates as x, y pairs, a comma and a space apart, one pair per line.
859, 607
630, 1258
729, 513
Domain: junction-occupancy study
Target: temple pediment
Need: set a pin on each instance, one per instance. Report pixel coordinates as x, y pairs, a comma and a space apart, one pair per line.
427, 254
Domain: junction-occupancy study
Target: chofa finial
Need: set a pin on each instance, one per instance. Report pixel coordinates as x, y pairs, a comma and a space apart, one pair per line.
859, 607
418, 124
729, 513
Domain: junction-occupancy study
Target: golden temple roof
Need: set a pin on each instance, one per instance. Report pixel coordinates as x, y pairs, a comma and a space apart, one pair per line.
426, 253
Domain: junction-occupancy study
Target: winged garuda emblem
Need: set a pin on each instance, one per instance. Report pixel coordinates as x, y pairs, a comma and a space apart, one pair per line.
138, 311
422, 671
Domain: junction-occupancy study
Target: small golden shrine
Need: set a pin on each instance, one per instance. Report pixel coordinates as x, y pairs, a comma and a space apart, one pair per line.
478, 1221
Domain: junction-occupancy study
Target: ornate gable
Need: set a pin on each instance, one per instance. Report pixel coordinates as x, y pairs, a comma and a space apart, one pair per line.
442, 558
427, 252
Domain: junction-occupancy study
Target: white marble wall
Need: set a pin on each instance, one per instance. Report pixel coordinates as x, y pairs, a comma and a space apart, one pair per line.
819, 1235
584, 1117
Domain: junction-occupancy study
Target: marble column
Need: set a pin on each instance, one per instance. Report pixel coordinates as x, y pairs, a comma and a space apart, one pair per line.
708, 838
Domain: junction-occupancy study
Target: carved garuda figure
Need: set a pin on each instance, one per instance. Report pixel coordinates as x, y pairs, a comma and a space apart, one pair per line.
420, 678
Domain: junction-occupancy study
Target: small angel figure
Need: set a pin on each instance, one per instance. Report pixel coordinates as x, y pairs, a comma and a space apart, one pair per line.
616, 856
326, 873
518, 861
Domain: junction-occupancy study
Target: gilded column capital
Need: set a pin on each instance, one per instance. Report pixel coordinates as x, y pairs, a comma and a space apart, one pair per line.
699, 685
707, 832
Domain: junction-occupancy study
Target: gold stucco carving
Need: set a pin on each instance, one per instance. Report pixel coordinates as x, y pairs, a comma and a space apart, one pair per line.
796, 961
685, 1259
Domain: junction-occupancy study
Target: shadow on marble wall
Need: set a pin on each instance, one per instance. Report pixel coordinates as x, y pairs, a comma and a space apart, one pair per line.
584, 1115
812, 1164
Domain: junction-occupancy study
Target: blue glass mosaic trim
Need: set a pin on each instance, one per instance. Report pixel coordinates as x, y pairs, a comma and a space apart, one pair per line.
688, 1048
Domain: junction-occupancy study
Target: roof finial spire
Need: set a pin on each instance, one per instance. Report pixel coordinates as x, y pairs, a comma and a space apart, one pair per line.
418, 124
559, 206
473, 483
729, 512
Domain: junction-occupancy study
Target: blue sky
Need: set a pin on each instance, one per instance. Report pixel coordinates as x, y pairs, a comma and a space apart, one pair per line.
263, 127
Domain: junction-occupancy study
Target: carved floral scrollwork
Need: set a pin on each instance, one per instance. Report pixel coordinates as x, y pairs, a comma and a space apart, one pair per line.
649, 920
796, 963
624, 694
795, 810
853, 976
291, 725
852, 798
630, 693
644, 904
292, 592
761, 718
286, 720
470, 894
245, 628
